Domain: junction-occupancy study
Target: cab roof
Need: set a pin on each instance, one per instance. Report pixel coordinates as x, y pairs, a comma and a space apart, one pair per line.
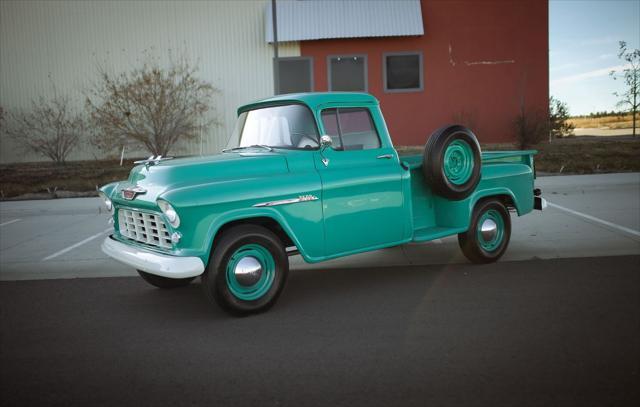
314, 100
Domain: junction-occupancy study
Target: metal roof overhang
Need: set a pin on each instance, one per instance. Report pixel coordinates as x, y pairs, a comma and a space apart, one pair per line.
302, 20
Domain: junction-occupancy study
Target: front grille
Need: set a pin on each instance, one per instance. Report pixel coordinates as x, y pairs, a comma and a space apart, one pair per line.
144, 228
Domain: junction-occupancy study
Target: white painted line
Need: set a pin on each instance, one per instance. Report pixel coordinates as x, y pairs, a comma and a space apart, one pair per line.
10, 222
80, 243
437, 241
594, 219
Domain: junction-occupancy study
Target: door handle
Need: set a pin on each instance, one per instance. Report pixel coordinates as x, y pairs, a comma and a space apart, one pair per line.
385, 156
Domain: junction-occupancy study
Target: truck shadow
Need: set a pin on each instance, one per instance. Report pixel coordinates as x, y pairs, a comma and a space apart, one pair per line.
308, 294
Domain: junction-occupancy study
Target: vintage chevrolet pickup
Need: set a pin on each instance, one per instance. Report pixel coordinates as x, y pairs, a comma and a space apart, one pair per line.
313, 174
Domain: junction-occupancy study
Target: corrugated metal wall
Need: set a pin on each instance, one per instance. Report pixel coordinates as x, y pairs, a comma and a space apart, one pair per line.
307, 20
62, 42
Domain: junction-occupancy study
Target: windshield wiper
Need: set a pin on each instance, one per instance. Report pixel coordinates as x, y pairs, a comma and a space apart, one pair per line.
228, 150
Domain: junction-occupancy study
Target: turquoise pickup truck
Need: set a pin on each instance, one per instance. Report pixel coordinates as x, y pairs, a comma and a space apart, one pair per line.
313, 174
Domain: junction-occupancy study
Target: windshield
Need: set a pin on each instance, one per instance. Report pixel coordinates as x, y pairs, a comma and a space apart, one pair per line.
290, 126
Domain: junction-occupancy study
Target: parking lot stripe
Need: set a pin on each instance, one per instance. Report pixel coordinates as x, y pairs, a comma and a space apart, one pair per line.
10, 222
80, 243
597, 220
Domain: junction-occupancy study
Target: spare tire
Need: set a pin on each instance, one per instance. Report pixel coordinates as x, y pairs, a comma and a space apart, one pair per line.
451, 162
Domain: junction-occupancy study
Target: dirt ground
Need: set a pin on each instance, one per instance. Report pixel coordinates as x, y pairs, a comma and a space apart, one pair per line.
571, 155
575, 155
580, 131
623, 121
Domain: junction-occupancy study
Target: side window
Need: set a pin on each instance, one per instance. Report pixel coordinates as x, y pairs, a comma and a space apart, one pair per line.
350, 129
295, 74
403, 72
357, 129
330, 124
347, 73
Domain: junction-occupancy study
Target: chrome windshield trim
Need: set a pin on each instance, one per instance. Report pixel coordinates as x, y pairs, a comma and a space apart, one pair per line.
301, 198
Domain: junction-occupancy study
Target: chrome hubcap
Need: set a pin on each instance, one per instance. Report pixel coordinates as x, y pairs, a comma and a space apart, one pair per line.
489, 230
248, 271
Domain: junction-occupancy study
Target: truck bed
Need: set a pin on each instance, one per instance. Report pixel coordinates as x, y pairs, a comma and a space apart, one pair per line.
514, 156
502, 174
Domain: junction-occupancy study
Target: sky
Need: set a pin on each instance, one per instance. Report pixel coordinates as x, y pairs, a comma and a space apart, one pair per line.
583, 49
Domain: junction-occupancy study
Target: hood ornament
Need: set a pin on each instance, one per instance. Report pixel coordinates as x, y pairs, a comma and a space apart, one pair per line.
152, 160
130, 193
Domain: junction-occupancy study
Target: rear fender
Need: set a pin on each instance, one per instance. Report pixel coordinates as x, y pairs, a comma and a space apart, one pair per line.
493, 192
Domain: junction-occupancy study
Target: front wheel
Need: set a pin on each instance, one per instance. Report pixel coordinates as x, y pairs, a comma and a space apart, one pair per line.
489, 232
247, 270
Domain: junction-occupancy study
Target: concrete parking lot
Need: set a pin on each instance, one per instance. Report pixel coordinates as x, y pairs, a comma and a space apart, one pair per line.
553, 323
590, 215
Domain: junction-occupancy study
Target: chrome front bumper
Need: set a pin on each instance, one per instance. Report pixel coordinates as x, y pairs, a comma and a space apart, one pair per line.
152, 262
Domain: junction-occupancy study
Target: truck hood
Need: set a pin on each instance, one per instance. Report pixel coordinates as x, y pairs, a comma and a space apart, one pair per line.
171, 174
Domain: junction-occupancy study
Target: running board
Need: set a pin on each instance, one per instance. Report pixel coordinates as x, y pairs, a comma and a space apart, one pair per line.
432, 233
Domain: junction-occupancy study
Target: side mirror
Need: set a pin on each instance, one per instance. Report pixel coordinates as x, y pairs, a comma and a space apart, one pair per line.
325, 141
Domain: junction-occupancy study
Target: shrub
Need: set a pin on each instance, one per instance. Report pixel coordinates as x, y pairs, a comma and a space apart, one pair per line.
51, 128
531, 128
149, 107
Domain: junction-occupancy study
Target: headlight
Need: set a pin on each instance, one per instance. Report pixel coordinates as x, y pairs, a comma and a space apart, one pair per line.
107, 202
169, 212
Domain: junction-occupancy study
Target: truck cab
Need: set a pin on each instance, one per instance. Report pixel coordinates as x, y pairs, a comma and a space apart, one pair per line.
314, 174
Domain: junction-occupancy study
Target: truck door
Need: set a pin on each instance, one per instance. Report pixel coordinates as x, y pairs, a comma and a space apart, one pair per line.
361, 183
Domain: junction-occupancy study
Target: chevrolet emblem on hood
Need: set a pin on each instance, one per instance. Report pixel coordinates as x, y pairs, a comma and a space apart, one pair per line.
130, 193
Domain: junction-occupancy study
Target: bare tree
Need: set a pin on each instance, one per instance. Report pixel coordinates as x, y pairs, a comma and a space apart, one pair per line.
630, 98
50, 128
150, 107
531, 128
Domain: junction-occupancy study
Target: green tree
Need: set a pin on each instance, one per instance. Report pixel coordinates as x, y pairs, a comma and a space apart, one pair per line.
630, 74
558, 119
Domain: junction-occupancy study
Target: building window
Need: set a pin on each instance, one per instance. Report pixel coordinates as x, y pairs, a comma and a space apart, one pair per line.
403, 72
350, 128
347, 73
295, 74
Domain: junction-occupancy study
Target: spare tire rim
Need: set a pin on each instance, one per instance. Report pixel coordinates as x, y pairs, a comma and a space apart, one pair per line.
250, 272
490, 230
458, 162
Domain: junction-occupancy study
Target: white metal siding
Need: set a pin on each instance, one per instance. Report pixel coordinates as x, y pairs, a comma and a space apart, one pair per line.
320, 19
66, 40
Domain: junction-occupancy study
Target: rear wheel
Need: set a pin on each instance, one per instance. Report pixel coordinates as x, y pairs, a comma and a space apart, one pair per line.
164, 282
247, 270
452, 161
489, 232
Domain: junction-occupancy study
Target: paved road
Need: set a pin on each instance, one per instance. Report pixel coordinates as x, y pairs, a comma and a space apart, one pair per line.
556, 322
560, 332
596, 215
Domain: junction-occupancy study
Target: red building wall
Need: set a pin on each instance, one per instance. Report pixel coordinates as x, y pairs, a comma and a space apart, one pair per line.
482, 61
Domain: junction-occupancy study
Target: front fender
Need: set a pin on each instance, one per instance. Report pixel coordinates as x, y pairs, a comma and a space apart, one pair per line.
109, 189
246, 214
204, 209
